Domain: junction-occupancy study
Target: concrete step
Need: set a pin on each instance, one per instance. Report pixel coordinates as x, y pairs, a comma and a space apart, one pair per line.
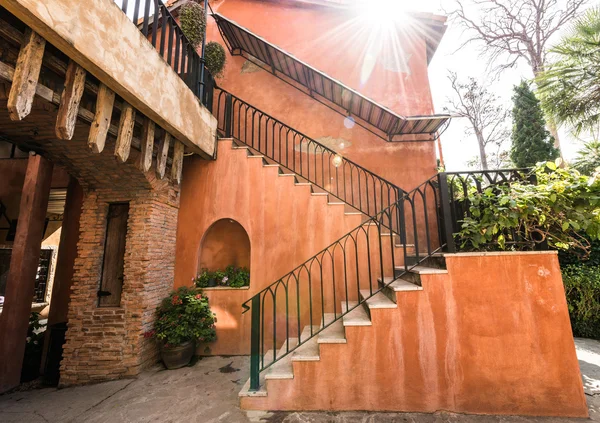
333, 334
357, 317
379, 300
262, 390
283, 368
400, 285
309, 350
423, 270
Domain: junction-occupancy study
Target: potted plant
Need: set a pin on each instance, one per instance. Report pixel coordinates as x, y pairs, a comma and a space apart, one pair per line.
234, 277
182, 318
237, 276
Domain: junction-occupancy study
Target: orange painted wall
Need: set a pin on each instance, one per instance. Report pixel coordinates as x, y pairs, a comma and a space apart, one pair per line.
285, 223
328, 40
491, 337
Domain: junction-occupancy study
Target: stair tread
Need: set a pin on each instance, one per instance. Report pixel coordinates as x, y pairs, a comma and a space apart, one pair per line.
401, 285
333, 334
379, 300
282, 369
357, 317
262, 390
423, 270
309, 350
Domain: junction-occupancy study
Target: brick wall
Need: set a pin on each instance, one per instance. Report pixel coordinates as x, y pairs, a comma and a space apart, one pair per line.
105, 343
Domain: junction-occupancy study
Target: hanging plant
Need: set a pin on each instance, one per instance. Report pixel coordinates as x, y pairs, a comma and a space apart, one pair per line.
193, 22
214, 55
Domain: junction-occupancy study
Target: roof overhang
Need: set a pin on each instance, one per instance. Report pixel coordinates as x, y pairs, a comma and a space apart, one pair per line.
375, 117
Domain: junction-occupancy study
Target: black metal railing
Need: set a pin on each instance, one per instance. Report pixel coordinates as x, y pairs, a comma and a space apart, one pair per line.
304, 156
457, 187
341, 277
160, 27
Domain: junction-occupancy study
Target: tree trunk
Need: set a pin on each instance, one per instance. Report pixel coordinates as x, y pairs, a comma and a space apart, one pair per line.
484, 163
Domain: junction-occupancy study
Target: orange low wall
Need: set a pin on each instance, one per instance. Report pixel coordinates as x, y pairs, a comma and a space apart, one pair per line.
490, 337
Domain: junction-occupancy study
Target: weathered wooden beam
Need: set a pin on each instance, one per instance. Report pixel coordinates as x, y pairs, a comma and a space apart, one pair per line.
177, 165
145, 160
101, 124
162, 154
123, 146
69, 101
27, 73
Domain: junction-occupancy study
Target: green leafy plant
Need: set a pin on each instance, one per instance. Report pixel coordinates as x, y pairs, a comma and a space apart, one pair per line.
235, 277
215, 57
184, 316
33, 348
563, 209
193, 22
588, 158
582, 288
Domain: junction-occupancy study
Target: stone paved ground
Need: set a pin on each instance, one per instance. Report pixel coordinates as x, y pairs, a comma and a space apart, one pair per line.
207, 393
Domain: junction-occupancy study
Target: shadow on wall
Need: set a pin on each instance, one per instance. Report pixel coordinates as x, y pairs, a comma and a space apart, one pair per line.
224, 243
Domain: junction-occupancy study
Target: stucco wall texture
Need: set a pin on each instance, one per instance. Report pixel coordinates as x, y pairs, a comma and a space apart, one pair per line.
286, 225
329, 40
490, 337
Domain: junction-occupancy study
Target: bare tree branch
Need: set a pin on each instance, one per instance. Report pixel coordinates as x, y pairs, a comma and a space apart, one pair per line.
487, 118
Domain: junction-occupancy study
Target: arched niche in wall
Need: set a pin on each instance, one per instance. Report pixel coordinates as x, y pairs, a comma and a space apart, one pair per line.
224, 243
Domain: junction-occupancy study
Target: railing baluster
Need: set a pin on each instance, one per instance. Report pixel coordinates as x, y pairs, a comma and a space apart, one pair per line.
255, 344
146, 17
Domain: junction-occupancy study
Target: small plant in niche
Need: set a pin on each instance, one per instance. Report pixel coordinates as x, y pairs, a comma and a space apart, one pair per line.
232, 276
215, 57
193, 22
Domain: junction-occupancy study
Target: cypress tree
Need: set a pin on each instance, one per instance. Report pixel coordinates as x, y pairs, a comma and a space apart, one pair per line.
531, 141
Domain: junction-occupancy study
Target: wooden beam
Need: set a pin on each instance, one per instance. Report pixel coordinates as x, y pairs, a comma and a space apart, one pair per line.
27, 73
162, 154
24, 262
69, 101
123, 146
177, 165
101, 124
145, 160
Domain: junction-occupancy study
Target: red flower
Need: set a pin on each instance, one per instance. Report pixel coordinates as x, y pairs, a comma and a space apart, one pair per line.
198, 296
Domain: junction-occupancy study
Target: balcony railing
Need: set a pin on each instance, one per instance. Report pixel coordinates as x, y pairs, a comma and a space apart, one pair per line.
160, 27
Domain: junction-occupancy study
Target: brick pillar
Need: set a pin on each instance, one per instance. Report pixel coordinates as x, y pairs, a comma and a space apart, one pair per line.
25, 257
105, 343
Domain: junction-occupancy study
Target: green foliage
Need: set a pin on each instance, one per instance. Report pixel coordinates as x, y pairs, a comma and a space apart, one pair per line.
570, 87
184, 316
235, 277
562, 209
193, 22
531, 142
582, 288
588, 158
570, 257
215, 57
34, 345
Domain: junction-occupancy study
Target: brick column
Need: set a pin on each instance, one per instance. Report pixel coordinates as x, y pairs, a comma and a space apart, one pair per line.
105, 343
25, 257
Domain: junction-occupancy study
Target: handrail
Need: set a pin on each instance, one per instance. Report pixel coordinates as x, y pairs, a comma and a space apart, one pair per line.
335, 276
173, 46
309, 159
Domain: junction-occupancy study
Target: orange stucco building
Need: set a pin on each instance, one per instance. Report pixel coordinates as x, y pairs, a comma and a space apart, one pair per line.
311, 160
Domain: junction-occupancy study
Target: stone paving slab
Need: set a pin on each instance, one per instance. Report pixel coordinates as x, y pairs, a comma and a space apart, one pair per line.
207, 393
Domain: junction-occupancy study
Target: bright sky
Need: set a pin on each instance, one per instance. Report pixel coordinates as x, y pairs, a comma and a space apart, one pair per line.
459, 149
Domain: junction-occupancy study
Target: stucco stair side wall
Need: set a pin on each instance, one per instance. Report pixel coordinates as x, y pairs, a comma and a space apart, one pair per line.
490, 337
103, 40
406, 164
285, 223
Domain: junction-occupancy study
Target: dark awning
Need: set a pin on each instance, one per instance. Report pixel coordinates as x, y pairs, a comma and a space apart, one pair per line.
375, 117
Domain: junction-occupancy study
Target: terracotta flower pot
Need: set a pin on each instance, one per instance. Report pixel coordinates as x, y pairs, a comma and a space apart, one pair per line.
178, 356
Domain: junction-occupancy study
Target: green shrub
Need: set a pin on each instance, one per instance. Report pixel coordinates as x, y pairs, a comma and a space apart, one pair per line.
215, 57
193, 22
184, 316
582, 288
563, 209
235, 277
